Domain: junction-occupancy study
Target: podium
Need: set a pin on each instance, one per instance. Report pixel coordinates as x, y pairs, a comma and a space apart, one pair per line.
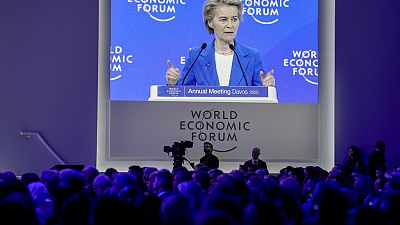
246, 94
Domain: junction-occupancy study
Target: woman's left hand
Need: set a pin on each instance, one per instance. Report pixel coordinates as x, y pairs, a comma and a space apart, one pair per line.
269, 79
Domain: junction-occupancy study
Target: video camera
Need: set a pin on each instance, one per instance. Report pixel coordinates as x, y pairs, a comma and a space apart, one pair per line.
178, 150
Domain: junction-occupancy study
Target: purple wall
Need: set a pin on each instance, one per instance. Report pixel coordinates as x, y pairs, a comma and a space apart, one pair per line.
48, 79
367, 77
48, 82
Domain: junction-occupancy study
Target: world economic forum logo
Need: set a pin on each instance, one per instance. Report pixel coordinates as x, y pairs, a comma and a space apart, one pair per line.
173, 91
223, 126
118, 58
159, 10
264, 12
303, 63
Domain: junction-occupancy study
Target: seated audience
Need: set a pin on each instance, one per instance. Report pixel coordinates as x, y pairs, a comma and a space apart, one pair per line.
345, 195
354, 161
101, 185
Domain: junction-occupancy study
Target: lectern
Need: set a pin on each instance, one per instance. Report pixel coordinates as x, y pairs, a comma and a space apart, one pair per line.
247, 94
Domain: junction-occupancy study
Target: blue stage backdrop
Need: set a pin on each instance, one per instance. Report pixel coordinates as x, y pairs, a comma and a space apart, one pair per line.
146, 33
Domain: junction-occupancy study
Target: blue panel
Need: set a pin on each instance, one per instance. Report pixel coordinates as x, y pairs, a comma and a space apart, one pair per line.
146, 33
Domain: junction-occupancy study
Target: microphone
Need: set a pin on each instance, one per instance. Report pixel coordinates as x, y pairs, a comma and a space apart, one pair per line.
203, 46
232, 47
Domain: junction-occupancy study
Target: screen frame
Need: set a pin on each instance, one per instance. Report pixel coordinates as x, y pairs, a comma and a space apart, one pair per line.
326, 107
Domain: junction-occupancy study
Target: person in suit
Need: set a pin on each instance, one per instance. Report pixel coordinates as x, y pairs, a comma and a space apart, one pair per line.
217, 65
255, 163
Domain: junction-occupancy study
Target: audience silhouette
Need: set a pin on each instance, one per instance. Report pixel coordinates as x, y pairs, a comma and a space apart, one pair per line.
348, 194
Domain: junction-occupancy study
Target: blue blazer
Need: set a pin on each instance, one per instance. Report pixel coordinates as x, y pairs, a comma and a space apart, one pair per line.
204, 71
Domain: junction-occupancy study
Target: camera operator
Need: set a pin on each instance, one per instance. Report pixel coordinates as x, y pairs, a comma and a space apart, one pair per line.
209, 160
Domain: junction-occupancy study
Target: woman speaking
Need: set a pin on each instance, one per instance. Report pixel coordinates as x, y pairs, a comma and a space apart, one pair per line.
224, 61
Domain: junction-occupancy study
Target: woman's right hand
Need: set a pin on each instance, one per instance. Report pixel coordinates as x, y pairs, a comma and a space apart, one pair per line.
172, 74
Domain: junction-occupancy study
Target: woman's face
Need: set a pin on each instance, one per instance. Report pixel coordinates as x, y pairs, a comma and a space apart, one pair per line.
351, 153
225, 23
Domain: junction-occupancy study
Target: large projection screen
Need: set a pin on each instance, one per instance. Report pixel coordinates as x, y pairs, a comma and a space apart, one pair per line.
297, 134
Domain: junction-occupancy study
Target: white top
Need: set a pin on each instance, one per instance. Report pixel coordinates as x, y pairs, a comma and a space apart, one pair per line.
224, 67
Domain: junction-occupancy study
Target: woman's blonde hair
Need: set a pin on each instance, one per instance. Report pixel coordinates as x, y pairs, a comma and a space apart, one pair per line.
210, 6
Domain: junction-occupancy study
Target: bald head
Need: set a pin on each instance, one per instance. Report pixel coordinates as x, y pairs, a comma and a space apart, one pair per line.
255, 153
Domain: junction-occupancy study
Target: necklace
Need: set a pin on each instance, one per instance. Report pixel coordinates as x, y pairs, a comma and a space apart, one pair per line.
226, 52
